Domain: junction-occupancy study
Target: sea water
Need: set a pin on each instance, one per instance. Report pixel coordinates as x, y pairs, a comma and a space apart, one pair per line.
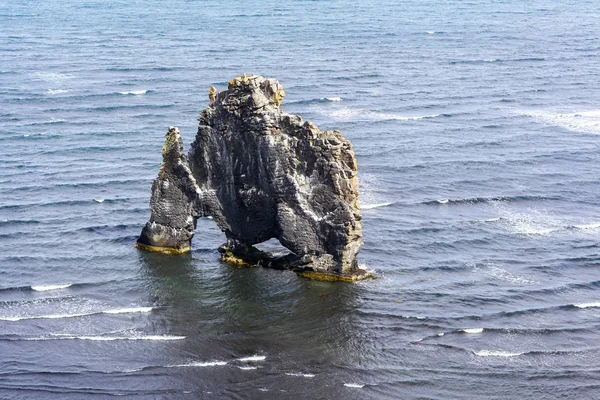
476, 127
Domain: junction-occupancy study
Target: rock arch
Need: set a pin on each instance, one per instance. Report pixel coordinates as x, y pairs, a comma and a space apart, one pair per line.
260, 173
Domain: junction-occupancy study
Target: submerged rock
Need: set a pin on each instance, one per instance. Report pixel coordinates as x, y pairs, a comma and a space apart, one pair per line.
260, 173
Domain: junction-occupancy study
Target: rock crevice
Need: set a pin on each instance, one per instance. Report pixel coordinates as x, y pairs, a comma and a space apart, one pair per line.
261, 174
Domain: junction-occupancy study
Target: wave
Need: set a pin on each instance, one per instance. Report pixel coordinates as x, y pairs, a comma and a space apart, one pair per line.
134, 92
471, 330
199, 364
372, 206
588, 227
247, 367
475, 200
354, 385
496, 60
319, 100
103, 338
300, 374
496, 353
254, 358
587, 305
53, 76
44, 288
357, 114
52, 92
130, 310
584, 121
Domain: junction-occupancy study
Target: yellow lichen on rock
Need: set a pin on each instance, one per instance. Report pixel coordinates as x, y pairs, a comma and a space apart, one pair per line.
162, 250
229, 258
320, 276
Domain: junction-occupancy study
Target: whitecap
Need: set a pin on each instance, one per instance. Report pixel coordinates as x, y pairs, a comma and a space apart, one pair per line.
441, 334
348, 114
430, 32
60, 316
99, 200
492, 219
589, 227
129, 310
443, 201
472, 330
106, 338
200, 364
504, 275
496, 353
354, 385
587, 305
44, 288
134, 92
57, 91
53, 76
583, 121
246, 367
333, 98
372, 206
300, 374
254, 358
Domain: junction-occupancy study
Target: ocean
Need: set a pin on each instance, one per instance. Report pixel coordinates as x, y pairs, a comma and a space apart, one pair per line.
476, 128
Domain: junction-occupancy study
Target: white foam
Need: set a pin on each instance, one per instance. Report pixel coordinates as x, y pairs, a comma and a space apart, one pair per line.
441, 334
333, 98
53, 76
99, 200
107, 338
44, 288
472, 330
129, 310
347, 114
246, 367
134, 92
252, 358
495, 353
430, 32
492, 220
354, 385
532, 222
57, 91
589, 227
587, 305
60, 316
504, 275
443, 201
372, 206
583, 121
300, 374
200, 364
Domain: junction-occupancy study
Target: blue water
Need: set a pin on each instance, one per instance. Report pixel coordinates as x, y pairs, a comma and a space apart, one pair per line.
475, 125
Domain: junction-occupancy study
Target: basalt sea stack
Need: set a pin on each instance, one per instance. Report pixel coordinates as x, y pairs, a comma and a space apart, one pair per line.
261, 174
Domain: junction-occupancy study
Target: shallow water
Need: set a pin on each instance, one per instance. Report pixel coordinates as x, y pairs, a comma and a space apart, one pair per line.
475, 125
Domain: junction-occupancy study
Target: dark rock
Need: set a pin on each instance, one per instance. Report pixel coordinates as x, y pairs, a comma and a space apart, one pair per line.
261, 174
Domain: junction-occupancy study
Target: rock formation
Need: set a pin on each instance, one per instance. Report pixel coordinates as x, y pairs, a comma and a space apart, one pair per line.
261, 174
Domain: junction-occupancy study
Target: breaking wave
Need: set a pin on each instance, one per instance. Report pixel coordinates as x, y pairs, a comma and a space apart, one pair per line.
254, 358
584, 121
372, 206
134, 92
496, 353
357, 114
45, 288
60, 316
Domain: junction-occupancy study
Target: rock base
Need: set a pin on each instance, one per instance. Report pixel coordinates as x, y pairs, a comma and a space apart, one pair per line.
251, 257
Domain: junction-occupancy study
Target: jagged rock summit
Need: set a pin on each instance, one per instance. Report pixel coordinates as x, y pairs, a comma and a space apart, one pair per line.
260, 173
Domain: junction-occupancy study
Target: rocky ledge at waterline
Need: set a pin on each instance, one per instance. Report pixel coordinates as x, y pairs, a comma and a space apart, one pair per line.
260, 173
